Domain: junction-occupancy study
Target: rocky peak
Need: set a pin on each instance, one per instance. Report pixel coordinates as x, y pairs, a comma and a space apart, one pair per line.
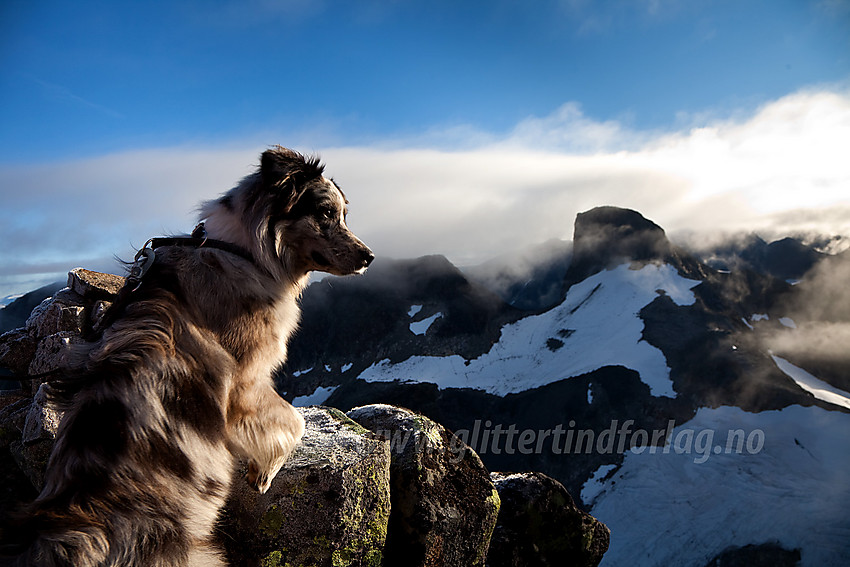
607, 236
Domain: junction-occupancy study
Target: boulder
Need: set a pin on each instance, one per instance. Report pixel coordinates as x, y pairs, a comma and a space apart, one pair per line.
52, 353
539, 524
95, 285
444, 505
42, 421
770, 554
13, 414
69, 316
328, 507
62, 312
17, 348
33, 436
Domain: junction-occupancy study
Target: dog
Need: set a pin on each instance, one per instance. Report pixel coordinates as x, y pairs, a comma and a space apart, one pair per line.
179, 385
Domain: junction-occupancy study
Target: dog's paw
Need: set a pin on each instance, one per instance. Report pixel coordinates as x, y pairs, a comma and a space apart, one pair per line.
257, 479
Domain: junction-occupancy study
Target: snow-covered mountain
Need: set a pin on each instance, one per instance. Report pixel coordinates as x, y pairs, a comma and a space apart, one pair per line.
701, 413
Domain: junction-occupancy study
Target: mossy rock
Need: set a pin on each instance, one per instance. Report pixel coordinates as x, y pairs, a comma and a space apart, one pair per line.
444, 505
328, 507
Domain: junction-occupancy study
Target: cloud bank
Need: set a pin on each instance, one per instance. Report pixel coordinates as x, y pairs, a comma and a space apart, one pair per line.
463, 192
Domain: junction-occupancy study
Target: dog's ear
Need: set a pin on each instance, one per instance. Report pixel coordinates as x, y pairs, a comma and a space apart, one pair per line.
277, 164
283, 170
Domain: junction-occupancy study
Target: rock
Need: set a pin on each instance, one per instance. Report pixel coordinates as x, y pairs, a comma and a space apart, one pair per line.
12, 417
444, 505
42, 421
32, 459
52, 352
770, 554
64, 312
17, 348
604, 237
328, 507
95, 285
539, 524
31, 431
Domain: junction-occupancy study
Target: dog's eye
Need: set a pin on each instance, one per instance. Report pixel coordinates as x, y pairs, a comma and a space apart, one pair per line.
326, 213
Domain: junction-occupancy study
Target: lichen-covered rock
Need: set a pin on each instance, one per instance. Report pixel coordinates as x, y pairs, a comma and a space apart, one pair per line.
444, 505
539, 524
328, 507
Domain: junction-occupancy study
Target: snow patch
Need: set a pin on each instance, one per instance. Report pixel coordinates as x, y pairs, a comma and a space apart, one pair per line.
818, 388
788, 322
759, 317
602, 313
298, 373
747, 323
414, 309
421, 327
346, 367
317, 398
595, 484
665, 509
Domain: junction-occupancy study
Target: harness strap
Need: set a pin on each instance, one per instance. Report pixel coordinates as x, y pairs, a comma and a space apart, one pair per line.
145, 257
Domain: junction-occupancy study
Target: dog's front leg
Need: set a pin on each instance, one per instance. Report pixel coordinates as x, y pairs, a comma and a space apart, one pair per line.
264, 429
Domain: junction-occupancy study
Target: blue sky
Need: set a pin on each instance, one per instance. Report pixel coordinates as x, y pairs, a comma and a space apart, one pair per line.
112, 105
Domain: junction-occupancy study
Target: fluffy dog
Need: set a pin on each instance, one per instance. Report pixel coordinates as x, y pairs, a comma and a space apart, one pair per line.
179, 385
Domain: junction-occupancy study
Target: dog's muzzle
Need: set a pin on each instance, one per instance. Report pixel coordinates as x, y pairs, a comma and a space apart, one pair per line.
366, 257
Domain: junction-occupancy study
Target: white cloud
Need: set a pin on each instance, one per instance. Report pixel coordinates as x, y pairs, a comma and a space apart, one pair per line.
779, 170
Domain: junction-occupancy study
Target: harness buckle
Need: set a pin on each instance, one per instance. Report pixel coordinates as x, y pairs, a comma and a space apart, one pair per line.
143, 261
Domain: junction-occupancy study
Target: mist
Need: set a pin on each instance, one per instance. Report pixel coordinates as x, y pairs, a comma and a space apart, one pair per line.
468, 194
820, 308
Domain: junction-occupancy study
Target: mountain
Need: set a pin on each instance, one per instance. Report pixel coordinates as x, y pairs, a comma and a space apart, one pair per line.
684, 405
15, 314
531, 279
787, 258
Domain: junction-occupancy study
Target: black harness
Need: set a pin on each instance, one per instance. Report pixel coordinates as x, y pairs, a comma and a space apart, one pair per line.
145, 257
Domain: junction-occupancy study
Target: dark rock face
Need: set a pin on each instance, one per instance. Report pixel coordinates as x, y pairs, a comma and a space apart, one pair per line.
444, 505
764, 555
785, 259
540, 525
349, 323
607, 236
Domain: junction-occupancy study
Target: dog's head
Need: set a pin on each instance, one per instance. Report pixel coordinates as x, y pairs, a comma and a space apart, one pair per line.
296, 214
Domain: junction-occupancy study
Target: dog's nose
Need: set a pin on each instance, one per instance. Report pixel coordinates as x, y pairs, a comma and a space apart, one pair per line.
366, 257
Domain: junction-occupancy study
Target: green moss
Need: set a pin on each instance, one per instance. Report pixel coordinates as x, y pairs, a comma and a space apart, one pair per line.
495, 503
346, 421
273, 559
271, 522
323, 542
587, 537
367, 545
